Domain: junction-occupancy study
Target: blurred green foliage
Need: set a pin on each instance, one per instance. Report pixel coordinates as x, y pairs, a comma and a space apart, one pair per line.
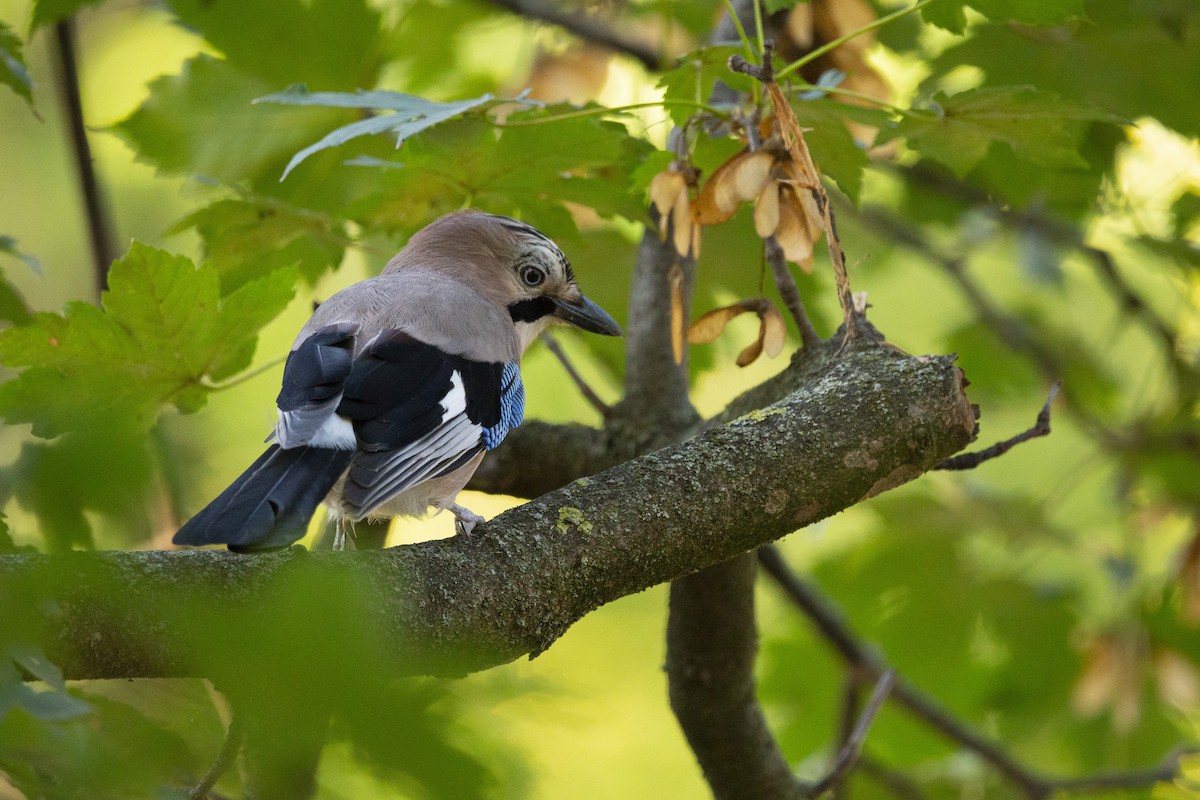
1035, 210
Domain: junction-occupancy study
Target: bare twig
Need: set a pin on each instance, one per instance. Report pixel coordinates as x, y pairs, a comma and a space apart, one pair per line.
587, 391
790, 293
586, 27
1009, 328
1058, 231
711, 646
848, 755
225, 758
1031, 783
896, 783
1040, 428
98, 219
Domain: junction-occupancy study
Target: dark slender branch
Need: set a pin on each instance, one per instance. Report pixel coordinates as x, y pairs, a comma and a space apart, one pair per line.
1060, 232
1040, 428
1033, 784
1167, 770
1014, 332
98, 220
895, 782
225, 758
790, 293
586, 27
851, 707
850, 751
587, 391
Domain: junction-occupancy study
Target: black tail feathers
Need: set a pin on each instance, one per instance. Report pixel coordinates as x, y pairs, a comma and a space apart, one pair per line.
272, 502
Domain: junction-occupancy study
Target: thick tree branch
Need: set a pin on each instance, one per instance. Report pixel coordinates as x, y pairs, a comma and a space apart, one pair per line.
539, 457
869, 422
656, 409
712, 638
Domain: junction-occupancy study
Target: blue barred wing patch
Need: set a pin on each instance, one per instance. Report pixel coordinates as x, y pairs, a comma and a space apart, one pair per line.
512, 406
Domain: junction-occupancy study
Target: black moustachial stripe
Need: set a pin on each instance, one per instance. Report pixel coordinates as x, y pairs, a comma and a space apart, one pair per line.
531, 309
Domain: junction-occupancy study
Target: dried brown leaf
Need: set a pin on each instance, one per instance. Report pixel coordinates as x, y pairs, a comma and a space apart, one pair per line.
750, 174
774, 330
682, 223
752, 351
708, 327
665, 189
793, 233
799, 25
739, 179
1178, 679
716, 201
1112, 678
766, 210
574, 76
813, 220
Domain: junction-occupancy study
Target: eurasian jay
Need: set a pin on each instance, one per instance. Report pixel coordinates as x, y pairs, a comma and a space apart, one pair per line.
398, 385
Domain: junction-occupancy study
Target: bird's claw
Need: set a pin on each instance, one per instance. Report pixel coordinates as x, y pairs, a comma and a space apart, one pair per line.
465, 519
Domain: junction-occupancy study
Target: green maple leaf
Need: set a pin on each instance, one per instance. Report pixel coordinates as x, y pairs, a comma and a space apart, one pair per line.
163, 327
202, 122
1039, 126
245, 239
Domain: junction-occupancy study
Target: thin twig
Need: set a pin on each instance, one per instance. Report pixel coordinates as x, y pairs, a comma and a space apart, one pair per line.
225, 758
98, 220
1040, 428
851, 708
895, 782
851, 750
786, 284
858, 656
1058, 231
1167, 770
1011, 329
588, 28
589, 394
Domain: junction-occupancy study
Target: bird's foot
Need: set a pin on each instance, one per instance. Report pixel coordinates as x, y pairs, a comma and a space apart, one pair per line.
341, 527
465, 519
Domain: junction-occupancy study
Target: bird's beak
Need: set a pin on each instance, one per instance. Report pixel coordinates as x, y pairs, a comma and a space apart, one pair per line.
585, 314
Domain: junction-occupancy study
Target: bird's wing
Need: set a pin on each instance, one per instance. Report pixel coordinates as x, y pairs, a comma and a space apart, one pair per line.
418, 413
313, 381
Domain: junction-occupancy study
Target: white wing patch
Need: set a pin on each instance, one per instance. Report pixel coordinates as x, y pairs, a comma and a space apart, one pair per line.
336, 432
455, 401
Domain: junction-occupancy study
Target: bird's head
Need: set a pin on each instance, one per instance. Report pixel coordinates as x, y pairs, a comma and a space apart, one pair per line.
513, 264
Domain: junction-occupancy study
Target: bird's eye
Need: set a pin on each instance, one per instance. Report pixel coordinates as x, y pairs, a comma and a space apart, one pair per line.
532, 276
